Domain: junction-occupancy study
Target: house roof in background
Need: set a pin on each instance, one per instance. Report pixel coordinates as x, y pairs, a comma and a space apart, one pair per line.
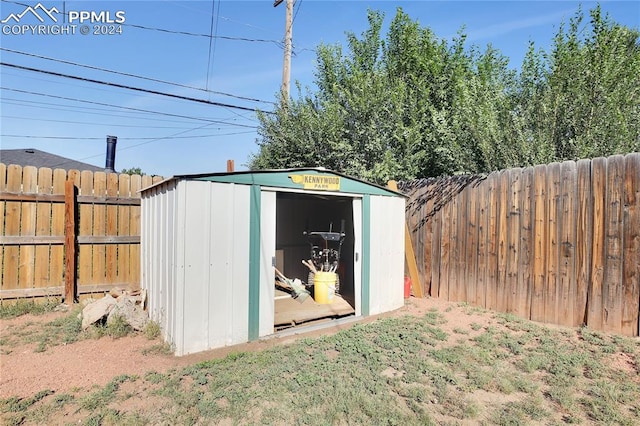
34, 157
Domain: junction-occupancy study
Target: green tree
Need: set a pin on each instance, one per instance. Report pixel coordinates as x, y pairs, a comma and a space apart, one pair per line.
413, 105
133, 171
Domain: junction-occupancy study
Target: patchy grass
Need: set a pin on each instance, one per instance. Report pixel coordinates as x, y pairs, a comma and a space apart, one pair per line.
400, 370
23, 307
68, 329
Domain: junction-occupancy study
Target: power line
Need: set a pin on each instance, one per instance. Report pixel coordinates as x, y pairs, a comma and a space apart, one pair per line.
87, 123
153, 140
132, 75
187, 33
98, 111
212, 45
121, 138
124, 86
123, 107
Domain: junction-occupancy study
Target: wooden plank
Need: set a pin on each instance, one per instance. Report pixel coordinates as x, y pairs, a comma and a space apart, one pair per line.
525, 253
57, 228
85, 199
502, 291
584, 241
410, 255
60, 239
291, 312
461, 245
540, 225
554, 201
436, 253
59, 291
12, 196
43, 228
492, 242
123, 229
514, 219
413, 215
445, 249
20, 240
120, 201
134, 229
109, 240
631, 232
112, 230
454, 249
471, 248
427, 215
85, 253
70, 264
26, 273
595, 291
99, 229
567, 245
483, 224
613, 247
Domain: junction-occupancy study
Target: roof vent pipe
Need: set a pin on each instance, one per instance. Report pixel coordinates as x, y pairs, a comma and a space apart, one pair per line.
111, 154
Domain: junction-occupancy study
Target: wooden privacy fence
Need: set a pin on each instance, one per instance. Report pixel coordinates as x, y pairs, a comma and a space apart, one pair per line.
88, 239
557, 243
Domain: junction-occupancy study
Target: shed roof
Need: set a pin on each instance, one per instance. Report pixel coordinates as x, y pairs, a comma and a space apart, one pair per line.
310, 178
34, 157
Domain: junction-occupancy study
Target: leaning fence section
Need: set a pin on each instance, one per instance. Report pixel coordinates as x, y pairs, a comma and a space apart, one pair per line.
556, 243
34, 234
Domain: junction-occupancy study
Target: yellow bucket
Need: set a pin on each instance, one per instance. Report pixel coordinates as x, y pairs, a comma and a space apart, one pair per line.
324, 287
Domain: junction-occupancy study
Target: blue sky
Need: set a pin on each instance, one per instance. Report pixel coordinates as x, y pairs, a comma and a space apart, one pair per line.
241, 67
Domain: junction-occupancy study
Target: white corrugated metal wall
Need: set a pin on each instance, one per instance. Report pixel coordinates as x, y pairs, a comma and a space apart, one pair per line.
198, 291
386, 254
157, 253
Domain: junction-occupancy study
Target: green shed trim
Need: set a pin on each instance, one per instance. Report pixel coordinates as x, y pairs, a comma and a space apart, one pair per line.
366, 251
254, 262
282, 179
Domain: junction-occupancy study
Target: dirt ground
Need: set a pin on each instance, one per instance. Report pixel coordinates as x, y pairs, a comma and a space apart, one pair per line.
88, 363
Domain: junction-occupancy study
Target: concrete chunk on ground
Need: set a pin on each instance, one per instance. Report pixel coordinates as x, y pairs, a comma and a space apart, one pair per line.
97, 310
132, 312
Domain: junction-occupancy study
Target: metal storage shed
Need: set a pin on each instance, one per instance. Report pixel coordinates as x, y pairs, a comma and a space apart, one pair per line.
209, 244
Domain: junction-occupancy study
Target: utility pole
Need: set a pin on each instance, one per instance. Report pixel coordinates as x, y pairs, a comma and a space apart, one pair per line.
288, 35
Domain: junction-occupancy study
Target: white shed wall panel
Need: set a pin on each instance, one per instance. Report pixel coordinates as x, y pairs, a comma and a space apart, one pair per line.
267, 254
157, 254
198, 264
386, 290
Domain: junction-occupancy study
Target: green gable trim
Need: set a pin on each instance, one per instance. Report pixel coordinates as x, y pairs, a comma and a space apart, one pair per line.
254, 262
281, 179
366, 253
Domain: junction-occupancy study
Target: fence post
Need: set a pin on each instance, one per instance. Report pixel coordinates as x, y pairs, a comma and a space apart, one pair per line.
70, 268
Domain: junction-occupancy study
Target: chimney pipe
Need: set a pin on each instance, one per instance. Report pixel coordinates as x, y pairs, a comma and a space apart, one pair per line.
111, 154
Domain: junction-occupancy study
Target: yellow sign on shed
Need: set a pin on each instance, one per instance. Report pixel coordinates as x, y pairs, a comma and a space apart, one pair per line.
318, 182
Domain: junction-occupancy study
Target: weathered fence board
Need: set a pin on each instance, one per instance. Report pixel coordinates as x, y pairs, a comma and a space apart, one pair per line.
514, 211
612, 290
492, 243
32, 234
599, 191
481, 262
524, 254
556, 243
567, 260
631, 232
539, 244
